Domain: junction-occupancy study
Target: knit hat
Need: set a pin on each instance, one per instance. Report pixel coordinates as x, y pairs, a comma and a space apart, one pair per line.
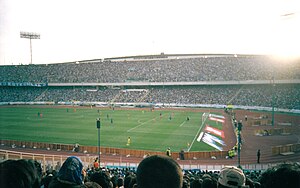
71, 171
231, 176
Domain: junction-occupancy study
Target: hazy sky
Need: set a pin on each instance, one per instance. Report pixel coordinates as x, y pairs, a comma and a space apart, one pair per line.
73, 30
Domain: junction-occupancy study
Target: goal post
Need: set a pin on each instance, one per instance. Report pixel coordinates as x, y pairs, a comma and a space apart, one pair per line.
204, 116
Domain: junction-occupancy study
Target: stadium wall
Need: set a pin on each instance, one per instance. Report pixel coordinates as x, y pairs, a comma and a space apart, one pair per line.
51, 160
198, 83
108, 150
158, 105
276, 150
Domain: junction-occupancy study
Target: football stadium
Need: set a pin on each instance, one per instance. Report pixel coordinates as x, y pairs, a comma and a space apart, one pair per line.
185, 97
159, 102
208, 118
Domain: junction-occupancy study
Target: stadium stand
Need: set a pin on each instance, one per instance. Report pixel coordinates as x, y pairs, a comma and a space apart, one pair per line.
246, 95
218, 80
206, 68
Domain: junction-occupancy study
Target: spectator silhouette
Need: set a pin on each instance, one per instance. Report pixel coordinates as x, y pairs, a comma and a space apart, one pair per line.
102, 178
129, 178
159, 172
283, 175
70, 174
120, 182
209, 182
20, 174
258, 156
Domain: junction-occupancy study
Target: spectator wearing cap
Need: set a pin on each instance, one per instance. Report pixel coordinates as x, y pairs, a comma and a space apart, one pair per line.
70, 175
231, 177
159, 172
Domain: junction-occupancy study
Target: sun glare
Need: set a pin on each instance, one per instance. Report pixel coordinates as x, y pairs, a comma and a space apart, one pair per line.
287, 38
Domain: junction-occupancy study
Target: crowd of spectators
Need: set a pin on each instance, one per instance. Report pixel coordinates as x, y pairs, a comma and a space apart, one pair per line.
211, 68
20, 94
286, 96
152, 172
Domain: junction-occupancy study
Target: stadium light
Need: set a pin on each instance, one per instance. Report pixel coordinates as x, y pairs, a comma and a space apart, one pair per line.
98, 127
273, 100
30, 35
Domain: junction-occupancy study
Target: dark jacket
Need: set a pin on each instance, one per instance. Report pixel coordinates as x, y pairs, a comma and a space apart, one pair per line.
56, 183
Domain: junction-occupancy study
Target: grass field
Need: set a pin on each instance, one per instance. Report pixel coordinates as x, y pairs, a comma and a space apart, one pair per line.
148, 130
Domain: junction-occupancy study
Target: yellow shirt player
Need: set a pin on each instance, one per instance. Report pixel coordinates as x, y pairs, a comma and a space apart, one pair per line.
168, 152
128, 141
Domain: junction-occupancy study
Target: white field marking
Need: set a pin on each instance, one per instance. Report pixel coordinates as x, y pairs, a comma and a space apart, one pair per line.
162, 133
200, 137
197, 133
140, 124
182, 123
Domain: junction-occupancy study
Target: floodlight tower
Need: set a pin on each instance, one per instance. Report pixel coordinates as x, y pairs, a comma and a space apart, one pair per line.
30, 35
273, 100
98, 125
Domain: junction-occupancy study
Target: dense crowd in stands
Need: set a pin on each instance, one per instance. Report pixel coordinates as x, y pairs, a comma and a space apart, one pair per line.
152, 172
226, 68
211, 68
286, 96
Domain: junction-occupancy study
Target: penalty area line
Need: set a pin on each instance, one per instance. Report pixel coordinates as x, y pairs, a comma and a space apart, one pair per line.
197, 134
140, 124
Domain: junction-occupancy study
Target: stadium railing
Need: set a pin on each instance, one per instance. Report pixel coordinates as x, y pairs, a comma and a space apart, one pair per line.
49, 161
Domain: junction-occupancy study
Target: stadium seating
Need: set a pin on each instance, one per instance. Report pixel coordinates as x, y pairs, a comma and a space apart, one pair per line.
182, 70
226, 68
286, 96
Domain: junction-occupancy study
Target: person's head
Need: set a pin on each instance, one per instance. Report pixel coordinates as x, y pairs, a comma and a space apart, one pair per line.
283, 175
20, 173
185, 183
159, 172
128, 178
102, 178
132, 182
231, 176
114, 180
46, 180
120, 182
196, 183
71, 171
208, 181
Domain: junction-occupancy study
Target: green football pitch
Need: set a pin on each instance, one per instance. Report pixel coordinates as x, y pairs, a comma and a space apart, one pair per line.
149, 130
